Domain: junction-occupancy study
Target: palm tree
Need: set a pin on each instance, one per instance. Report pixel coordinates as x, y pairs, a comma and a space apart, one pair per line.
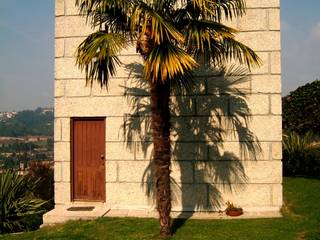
174, 38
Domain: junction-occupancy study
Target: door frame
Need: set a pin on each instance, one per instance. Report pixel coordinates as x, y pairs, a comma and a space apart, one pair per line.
72, 120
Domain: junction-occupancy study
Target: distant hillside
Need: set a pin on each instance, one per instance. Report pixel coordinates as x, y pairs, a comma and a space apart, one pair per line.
38, 122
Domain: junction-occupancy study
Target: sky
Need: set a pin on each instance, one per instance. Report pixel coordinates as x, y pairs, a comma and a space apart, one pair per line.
27, 50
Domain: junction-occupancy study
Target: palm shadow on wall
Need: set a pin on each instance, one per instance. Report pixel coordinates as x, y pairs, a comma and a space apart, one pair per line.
213, 114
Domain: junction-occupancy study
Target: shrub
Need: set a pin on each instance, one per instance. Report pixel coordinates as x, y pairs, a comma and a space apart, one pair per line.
301, 112
44, 172
300, 155
17, 202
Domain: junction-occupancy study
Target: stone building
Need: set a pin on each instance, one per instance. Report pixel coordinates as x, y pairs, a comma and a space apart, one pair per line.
207, 171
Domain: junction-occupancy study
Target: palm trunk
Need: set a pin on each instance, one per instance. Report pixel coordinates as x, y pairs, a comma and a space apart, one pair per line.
160, 95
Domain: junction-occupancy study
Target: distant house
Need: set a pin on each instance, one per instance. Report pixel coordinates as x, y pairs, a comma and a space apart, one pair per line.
97, 163
45, 110
36, 138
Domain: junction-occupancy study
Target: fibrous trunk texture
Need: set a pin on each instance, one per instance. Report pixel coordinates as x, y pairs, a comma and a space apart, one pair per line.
160, 95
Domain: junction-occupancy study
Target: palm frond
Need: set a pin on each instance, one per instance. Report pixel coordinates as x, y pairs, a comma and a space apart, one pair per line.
200, 33
217, 9
231, 49
167, 61
217, 42
97, 55
109, 15
154, 25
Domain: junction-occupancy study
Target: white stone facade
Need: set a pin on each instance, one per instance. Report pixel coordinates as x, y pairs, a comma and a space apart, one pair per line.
258, 189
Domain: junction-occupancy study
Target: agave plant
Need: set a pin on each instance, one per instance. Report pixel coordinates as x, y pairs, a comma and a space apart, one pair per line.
17, 201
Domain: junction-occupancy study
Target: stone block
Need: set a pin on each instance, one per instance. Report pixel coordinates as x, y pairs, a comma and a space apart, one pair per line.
131, 67
126, 196
238, 172
263, 3
255, 104
66, 68
144, 150
233, 23
192, 129
62, 151
277, 195
71, 8
223, 86
183, 106
91, 107
263, 171
114, 129
62, 192
210, 105
77, 88
267, 128
275, 60
266, 84
274, 19
265, 64
57, 129
130, 50
59, 88
254, 20
182, 151
59, 47
116, 87
276, 104
119, 151
111, 171
72, 26
66, 170
277, 150
189, 197
57, 171
248, 151
243, 195
71, 45
66, 132
133, 171
182, 171
135, 84
59, 7
261, 41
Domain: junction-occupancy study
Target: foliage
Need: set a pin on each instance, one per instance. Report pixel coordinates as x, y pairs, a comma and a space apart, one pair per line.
301, 111
174, 37
43, 173
17, 202
300, 155
12, 154
28, 123
301, 220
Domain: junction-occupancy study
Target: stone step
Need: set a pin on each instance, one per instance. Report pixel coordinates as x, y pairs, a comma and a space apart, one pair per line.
64, 213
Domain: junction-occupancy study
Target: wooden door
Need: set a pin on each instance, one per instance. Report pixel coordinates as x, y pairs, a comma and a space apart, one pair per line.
88, 148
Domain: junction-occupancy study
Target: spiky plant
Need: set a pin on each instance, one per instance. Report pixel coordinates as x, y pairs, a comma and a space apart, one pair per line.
174, 38
17, 201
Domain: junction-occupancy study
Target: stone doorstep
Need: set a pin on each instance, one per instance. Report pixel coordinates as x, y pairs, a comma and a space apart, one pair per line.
60, 214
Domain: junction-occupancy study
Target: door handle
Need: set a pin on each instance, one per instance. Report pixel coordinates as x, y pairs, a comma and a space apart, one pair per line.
102, 156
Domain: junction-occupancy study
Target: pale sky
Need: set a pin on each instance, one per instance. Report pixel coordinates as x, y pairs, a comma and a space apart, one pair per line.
27, 49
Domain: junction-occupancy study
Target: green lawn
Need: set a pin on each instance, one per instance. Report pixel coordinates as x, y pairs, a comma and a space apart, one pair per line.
301, 221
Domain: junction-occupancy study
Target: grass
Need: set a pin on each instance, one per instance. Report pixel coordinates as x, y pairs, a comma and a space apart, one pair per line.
301, 221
